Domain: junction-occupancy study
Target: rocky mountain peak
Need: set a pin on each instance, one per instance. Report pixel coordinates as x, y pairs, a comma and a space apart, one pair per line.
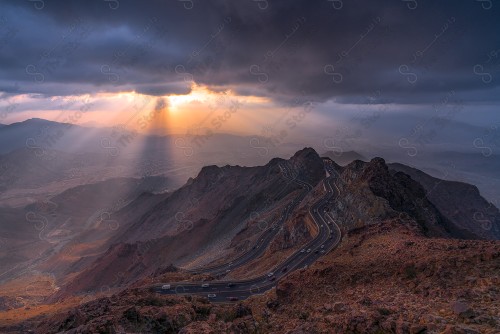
379, 162
308, 164
305, 154
208, 171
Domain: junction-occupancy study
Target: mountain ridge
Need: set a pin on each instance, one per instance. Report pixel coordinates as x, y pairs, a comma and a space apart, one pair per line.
226, 212
373, 193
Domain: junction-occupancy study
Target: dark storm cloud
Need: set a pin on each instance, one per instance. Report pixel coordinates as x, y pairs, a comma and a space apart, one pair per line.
280, 49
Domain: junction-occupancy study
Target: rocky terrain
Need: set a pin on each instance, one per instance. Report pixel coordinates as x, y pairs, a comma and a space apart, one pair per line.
249, 167
68, 226
460, 202
197, 223
409, 261
384, 278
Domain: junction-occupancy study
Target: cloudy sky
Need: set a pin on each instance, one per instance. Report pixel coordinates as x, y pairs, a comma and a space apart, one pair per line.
246, 66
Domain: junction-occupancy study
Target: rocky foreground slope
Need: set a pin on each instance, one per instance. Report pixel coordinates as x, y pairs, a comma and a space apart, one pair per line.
384, 278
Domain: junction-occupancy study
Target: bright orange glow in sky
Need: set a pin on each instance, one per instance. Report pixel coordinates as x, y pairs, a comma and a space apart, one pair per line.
196, 113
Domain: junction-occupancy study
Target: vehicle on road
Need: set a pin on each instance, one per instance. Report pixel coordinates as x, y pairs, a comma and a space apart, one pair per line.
284, 269
308, 250
322, 246
316, 251
272, 278
205, 285
230, 285
303, 251
229, 270
212, 295
233, 299
271, 274
165, 287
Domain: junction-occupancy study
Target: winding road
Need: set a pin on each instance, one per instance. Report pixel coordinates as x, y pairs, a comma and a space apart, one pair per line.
328, 237
264, 239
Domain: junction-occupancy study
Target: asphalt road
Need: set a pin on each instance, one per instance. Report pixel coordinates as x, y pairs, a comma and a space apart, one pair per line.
328, 237
264, 239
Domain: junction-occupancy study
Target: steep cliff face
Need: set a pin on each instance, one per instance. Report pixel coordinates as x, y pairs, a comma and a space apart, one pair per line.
405, 196
297, 231
460, 203
371, 192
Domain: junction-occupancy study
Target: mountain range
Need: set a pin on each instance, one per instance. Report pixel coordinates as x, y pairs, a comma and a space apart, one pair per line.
223, 215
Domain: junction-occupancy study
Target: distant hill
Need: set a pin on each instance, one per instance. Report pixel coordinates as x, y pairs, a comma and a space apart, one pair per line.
84, 214
209, 147
40, 133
